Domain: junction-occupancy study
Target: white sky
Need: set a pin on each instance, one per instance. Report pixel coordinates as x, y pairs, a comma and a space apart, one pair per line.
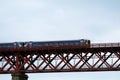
42, 20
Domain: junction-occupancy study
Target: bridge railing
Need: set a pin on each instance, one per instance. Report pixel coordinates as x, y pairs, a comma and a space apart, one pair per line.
97, 45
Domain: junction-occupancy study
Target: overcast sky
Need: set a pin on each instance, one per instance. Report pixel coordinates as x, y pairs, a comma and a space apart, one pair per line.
43, 20
39, 20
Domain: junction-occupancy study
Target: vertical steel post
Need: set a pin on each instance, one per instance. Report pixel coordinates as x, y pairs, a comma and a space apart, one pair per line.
19, 75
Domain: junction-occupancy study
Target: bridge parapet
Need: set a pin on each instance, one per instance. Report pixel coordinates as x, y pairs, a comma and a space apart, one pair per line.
100, 45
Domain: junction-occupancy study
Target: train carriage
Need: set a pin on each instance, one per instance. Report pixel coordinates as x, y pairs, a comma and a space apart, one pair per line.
59, 43
32, 44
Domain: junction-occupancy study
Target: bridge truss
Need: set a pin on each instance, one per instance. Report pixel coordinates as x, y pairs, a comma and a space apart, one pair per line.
99, 57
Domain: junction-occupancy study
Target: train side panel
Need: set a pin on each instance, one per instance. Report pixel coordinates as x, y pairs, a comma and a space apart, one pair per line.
60, 43
6, 45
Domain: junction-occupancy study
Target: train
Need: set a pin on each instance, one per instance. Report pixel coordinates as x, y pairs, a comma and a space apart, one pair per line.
33, 44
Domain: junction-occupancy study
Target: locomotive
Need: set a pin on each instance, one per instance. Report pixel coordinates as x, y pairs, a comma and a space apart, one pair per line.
45, 43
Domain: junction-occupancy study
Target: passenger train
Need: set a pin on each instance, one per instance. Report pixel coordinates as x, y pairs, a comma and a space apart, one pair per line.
45, 43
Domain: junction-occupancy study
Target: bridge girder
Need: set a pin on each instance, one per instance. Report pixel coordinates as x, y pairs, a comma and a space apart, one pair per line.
62, 59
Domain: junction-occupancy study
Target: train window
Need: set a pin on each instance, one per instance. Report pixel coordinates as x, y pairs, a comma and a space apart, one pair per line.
72, 43
15, 44
60, 43
46, 44
26, 44
19, 45
82, 41
76, 43
66, 43
50, 44
42, 44
30, 44
86, 41
56, 44
37, 44
69, 43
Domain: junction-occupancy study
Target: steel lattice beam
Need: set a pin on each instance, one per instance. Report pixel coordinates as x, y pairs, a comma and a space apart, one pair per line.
59, 59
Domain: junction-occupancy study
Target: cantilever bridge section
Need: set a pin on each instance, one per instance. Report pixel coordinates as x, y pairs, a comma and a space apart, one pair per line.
98, 57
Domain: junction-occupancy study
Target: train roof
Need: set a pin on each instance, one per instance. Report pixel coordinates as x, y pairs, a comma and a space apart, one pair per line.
59, 40
42, 41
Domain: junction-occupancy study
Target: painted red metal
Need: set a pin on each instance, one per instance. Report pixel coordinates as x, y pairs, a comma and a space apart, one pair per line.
98, 57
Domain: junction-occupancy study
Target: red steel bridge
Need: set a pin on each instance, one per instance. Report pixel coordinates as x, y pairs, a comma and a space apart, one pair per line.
99, 57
